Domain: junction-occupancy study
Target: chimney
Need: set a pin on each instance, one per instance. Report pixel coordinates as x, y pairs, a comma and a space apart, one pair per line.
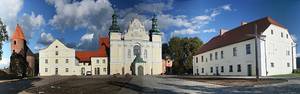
243, 23
222, 31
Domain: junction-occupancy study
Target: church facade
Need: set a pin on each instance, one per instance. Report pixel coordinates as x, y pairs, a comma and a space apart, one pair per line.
136, 51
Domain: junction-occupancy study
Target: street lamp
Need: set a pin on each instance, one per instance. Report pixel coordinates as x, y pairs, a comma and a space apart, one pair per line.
257, 37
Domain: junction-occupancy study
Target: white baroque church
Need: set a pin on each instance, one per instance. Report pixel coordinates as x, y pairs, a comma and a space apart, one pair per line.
136, 51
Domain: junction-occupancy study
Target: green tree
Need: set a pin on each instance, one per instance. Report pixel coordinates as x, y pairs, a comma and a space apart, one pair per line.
3, 36
182, 50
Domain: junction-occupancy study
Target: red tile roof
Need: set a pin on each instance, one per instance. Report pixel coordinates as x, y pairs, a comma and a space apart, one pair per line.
85, 56
18, 34
238, 34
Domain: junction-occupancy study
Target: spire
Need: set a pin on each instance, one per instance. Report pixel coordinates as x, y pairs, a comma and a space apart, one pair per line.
154, 29
114, 26
18, 34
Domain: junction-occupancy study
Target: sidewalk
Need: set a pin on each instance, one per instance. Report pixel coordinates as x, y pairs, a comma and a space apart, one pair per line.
224, 77
11, 80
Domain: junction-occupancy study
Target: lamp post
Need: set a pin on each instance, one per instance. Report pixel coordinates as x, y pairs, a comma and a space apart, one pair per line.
257, 38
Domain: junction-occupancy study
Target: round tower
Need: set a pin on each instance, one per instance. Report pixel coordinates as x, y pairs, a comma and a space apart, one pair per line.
18, 41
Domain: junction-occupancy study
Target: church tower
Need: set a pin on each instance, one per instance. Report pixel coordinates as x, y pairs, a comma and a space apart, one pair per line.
18, 40
114, 29
154, 33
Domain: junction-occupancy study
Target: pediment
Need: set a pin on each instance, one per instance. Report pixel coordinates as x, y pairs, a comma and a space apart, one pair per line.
136, 31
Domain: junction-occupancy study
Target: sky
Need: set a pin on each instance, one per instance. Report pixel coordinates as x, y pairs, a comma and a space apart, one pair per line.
80, 23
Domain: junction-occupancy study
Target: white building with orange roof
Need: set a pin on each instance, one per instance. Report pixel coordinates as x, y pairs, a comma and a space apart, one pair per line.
233, 52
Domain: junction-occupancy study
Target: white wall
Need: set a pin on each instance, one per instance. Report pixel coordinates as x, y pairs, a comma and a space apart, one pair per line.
64, 53
242, 58
272, 49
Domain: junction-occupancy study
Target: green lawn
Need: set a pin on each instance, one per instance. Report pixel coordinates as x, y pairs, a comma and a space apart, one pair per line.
289, 75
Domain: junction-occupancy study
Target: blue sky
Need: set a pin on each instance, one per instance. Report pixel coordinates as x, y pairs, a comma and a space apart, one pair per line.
78, 23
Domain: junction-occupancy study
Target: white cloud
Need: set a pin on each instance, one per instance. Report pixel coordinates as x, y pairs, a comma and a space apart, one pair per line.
4, 63
9, 10
209, 30
227, 7
30, 23
294, 38
81, 14
188, 31
198, 22
298, 55
45, 39
87, 37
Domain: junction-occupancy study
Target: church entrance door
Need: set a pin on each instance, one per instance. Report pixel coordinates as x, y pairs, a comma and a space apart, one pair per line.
140, 70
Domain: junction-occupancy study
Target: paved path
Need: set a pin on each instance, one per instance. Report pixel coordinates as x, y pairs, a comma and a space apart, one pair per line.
149, 84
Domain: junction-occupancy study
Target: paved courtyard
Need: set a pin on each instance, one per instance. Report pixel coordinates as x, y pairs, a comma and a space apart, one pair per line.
138, 85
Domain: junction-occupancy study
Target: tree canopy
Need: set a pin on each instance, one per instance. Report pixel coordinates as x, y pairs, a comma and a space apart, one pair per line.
3, 36
181, 51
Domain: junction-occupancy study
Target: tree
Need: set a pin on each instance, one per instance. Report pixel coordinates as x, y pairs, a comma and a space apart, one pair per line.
3, 36
181, 51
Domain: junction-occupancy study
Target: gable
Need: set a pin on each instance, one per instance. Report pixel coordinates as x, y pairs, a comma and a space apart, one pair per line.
136, 31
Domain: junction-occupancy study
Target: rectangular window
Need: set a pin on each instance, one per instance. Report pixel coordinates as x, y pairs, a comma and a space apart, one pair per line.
216, 55
196, 59
222, 68
15, 42
210, 56
230, 68
202, 59
288, 53
67, 60
46, 69
287, 36
103, 61
248, 49
56, 52
104, 69
234, 51
205, 59
97, 61
46, 61
239, 68
272, 32
222, 54
211, 69
202, 70
272, 65
56, 61
129, 53
67, 69
288, 64
281, 34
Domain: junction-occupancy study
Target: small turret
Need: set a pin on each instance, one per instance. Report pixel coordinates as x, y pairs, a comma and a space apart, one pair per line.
114, 26
154, 29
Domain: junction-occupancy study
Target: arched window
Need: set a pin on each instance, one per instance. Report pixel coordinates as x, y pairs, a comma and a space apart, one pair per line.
145, 53
129, 53
137, 50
